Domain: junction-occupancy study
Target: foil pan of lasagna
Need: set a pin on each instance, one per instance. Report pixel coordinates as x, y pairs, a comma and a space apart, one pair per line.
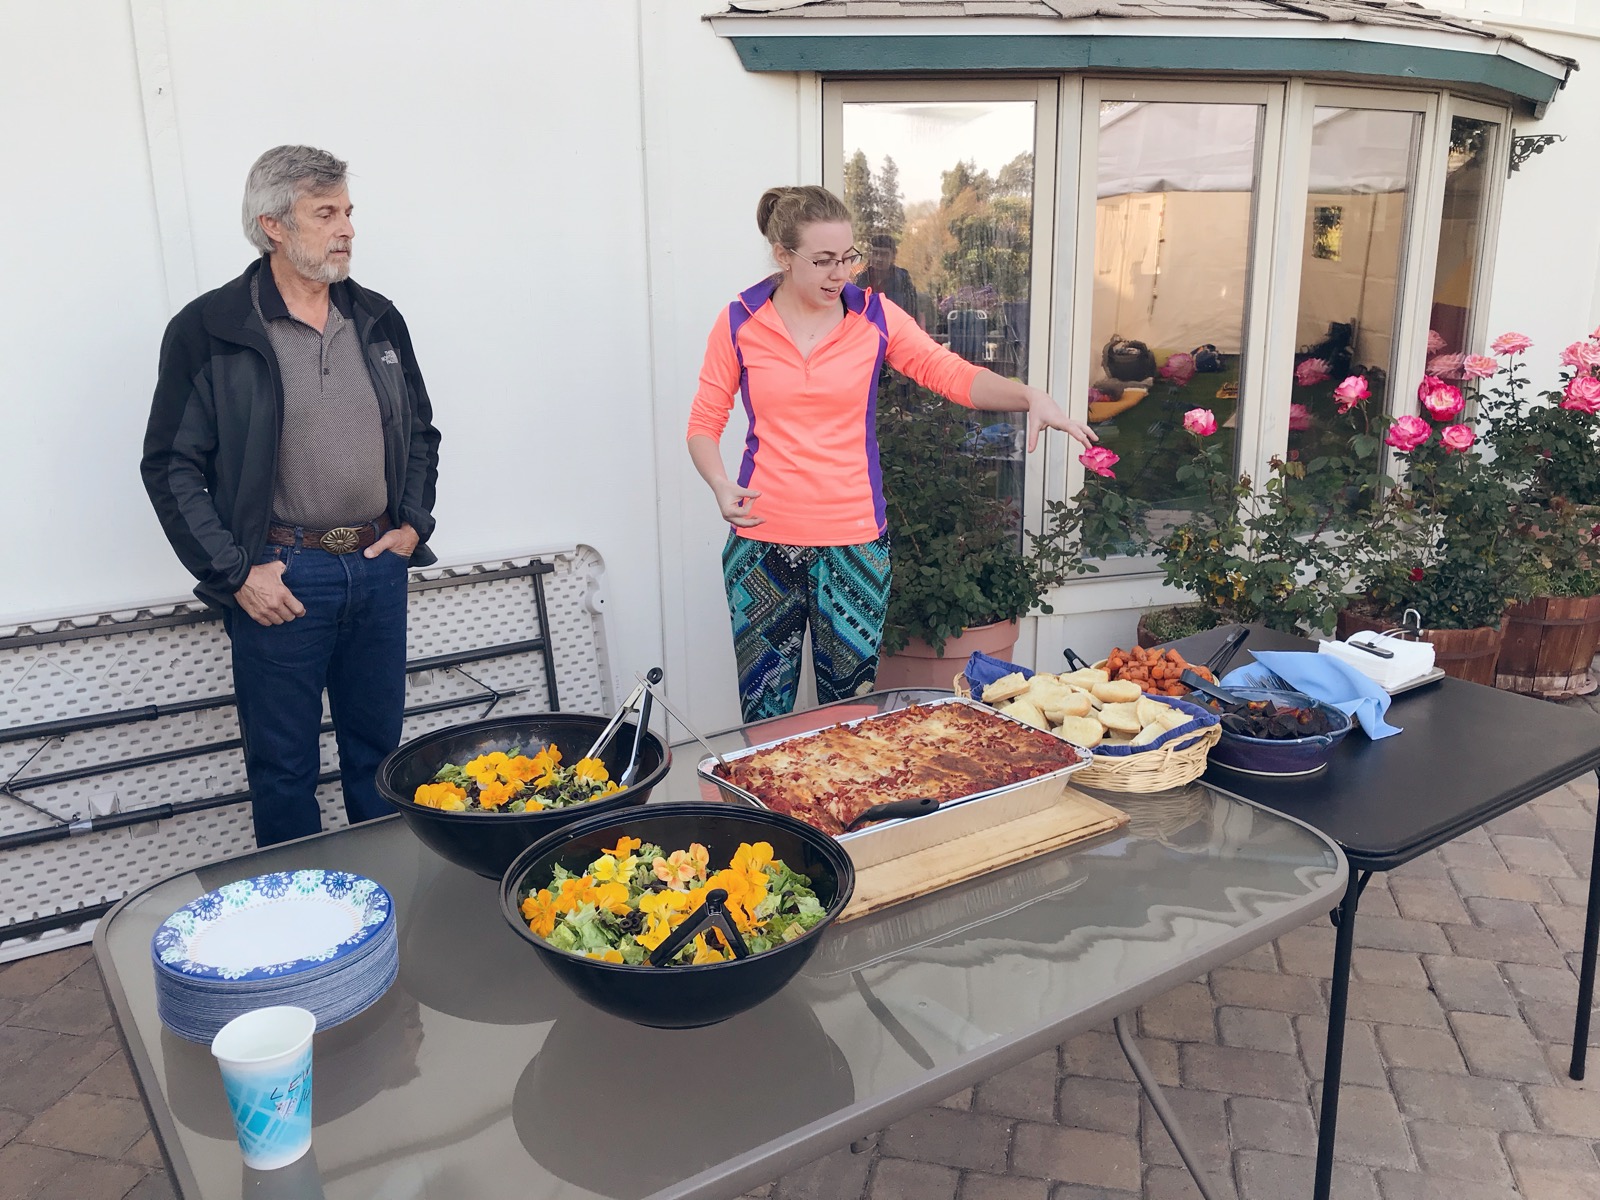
953, 749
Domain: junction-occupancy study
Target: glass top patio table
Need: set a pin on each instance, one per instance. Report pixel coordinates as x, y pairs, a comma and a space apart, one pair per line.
480, 1075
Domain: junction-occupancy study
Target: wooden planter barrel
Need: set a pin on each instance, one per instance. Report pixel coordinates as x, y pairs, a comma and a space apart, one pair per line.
1549, 643
1468, 654
917, 666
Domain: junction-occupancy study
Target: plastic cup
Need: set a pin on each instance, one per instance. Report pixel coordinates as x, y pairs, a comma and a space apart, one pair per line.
265, 1058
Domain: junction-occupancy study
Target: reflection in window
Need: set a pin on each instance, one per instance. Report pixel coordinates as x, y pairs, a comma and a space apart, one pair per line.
1472, 149
941, 196
1362, 164
1176, 189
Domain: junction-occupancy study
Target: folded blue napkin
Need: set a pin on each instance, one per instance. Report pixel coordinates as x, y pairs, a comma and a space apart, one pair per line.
984, 669
1322, 678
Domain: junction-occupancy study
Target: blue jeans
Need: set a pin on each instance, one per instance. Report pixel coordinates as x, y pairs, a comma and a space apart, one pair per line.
351, 641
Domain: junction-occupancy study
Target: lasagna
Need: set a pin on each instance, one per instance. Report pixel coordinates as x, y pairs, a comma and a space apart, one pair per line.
946, 751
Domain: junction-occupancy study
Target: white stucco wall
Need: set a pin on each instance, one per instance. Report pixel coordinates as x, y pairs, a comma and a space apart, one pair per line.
559, 197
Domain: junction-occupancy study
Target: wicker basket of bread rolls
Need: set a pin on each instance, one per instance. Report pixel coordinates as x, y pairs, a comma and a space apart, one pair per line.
1162, 742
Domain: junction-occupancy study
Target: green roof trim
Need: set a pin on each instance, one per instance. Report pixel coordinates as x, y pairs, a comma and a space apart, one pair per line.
900, 53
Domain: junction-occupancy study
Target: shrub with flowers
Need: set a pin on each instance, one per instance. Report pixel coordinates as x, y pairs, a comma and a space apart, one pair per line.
630, 899
512, 782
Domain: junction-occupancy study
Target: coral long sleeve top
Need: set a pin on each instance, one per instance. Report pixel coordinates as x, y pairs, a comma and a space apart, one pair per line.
811, 448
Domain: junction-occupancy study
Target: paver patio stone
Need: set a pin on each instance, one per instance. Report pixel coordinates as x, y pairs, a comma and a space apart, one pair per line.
1500, 884
1521, 822
1557, 1185
1105, 1160
1424, 866
29, 1172
1277, 1125
1109, 1105
1469, 985
1562, 816
1459, 1152
1394, 1006
1371, 1131
1362, 1063
1267, 1176
1278, 993
1397, 968
146, 1152
1027, 1091
1565, 924
1578, 847
1461, 1099
1463, 854
1239, 1072
1421, 1049
1566, 1110
112, 1078
11, 1124
155, 1186
975, 1186
1204, 1118
950, 1139
1519, 916
53, 1069
1549, 1022
1074, 1191
30, 978
102, 1126
1557, 985
1185, 1014
1397, 933
1097, 1054
1536, 1151
1404, 1185
65, 1009
1428, 900
1307, 950
1533, 856
1262, 958
1498, 945
961, 1101
900, 1179
828, 1178
1572, 891
1499, 1047
1173, 1183
1256, 1030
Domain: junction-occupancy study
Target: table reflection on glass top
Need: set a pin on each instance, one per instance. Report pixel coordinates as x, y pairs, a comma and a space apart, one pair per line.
480, 1075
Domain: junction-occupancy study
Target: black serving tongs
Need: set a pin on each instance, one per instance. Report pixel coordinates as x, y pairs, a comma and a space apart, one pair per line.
710, 915
1193, 680
640, 697
1219, 661
890, 809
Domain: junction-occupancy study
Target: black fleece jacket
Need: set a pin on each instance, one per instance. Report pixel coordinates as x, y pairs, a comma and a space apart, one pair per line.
211, 447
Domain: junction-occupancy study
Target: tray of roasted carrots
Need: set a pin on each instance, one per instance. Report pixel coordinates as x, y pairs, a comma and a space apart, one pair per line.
1158, 672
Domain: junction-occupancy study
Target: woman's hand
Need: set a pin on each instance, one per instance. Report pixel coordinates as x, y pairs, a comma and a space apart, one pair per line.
1045, 413
731, 501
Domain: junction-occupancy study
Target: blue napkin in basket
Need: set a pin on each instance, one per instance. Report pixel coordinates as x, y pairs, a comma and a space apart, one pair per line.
983, 669
1322, 678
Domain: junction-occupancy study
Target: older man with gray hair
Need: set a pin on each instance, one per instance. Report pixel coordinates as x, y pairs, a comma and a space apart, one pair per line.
291, 458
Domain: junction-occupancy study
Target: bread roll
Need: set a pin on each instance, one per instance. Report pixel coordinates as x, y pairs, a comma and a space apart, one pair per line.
1067, 704
1081, 731
1117, 691
1148, 734
1085, 676
1026, 710
1005, 688
1171, 718
1149, 710
1120, 718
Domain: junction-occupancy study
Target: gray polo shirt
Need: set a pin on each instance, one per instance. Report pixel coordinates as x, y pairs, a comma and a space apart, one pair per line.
330, 451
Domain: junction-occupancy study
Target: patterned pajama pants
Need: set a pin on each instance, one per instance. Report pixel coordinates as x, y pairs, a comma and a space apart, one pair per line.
776, 591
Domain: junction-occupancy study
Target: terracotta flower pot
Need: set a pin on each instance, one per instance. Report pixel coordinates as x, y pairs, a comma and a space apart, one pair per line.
919, 666
1468, 654
1549, 644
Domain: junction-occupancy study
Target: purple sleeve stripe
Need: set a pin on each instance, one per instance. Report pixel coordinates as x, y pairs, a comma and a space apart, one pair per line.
873, 307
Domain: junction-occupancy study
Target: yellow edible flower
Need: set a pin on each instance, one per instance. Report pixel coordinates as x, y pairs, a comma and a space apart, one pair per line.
485, 769
752, 856
607, 955
495, 794
592, 770
613, 897
544, 767
446, 797
662, 911
539, 911
703, 953
519, 770
573, 893
625, 847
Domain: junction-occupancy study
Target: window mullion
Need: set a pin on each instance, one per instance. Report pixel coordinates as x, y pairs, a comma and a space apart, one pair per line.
1267, 414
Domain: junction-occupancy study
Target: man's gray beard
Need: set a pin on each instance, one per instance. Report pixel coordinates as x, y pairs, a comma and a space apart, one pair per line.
323, 270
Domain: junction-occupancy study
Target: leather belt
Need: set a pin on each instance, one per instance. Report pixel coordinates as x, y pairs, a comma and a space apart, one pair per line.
345, 539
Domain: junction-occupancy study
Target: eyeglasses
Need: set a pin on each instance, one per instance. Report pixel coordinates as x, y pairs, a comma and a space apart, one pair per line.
850, 261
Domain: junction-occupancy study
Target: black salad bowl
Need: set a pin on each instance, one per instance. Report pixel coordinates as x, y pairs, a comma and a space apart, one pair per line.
682, 997
486, 842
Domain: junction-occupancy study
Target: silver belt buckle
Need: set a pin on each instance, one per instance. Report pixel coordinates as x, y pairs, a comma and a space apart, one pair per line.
341, 540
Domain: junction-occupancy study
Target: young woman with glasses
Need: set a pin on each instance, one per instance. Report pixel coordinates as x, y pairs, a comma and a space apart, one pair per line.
801, 350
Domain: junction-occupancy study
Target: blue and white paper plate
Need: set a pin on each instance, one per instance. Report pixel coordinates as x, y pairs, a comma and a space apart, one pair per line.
272, 925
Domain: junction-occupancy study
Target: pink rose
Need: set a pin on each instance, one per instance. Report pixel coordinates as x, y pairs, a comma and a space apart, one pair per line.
1442, 400
1581, 356
1511, 343
1299, 417
1583, 394
1351, 392
1312, 372
1407, 433
1446, 366
1201, 422
1416, 574
1478, 366
1100, 460
1458, 438
1179, 368
1595, 336
1435, 342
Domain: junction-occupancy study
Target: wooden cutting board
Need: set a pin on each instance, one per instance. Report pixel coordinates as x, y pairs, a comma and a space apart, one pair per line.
1074, 818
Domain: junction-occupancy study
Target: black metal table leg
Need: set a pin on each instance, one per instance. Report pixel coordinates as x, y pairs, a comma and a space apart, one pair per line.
1591, 937
1338, 1000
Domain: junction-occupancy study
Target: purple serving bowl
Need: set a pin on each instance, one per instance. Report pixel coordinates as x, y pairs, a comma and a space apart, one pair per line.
1273, 756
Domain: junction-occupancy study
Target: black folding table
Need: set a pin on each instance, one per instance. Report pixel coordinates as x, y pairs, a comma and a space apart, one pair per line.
1468, 754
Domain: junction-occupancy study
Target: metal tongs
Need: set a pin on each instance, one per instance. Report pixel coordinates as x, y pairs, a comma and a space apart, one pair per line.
649, 686
639, 698
709, 915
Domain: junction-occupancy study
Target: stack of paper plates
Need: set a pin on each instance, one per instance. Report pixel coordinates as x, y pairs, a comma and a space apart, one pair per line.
321, 940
